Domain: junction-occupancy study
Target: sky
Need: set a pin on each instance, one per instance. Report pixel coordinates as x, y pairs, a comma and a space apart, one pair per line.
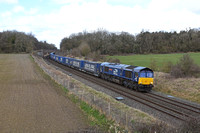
52, 20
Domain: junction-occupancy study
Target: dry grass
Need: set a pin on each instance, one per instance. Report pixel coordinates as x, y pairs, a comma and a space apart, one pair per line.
186, 88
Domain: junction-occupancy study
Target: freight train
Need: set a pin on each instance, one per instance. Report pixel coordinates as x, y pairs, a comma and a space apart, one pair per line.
133, 77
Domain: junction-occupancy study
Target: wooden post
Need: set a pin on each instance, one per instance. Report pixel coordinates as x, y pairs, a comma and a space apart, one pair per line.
109, 108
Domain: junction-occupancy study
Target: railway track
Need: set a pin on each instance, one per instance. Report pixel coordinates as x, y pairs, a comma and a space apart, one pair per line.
171, 107
175, 102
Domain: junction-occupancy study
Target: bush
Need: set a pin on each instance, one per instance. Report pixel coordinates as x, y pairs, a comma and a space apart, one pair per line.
84, 49
153, 65
95, 56
76, 52
167, 66
185, 68
113, 60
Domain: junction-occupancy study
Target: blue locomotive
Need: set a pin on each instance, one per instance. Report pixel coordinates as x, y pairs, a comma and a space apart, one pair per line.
134, 77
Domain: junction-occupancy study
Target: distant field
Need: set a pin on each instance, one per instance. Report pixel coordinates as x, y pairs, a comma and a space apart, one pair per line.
145, 60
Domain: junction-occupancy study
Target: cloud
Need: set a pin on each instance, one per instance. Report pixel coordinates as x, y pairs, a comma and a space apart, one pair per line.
6, 14
9, 1
189, 5
74, 1
32, 11
74, 17
18, 9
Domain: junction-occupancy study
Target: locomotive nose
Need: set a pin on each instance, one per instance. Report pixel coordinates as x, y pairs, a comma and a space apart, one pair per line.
145, 81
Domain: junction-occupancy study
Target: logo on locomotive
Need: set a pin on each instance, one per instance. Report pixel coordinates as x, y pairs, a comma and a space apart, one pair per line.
115, 71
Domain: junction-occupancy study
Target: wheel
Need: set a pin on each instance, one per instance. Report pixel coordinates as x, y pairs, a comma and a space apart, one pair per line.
125, 84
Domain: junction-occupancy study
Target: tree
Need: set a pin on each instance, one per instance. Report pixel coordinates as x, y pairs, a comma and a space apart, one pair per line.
185, 68
14, 41
84, 49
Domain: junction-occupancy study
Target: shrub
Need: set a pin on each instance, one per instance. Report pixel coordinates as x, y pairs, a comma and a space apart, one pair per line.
84, 49
76, 52
153, 65
113, 60
185, 68
167, 66
95, 56
176, 71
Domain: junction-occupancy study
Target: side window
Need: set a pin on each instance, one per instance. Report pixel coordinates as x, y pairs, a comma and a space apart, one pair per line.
128, 74
106, 69
149, 74
142, 74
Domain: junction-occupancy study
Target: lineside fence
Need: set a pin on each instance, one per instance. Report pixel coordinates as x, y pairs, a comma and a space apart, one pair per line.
122, 114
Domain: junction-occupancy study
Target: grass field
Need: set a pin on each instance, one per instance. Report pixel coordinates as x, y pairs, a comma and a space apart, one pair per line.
145, 60
186, 88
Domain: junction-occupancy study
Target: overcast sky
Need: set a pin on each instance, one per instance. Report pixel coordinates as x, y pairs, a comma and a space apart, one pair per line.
52, 20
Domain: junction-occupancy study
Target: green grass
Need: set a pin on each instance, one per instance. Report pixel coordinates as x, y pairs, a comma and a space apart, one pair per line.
98, 118
145, 60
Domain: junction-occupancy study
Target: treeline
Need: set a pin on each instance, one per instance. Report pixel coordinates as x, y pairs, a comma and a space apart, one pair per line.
18, 42
142, 43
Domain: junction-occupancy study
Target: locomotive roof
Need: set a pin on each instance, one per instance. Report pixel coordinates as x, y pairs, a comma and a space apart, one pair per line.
125, 67
115, 65
138, 69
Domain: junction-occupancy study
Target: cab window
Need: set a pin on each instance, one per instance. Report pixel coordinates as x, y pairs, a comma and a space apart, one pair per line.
142, 74
149, 74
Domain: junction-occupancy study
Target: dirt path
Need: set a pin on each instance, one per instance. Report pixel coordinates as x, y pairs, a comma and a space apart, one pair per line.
29, 103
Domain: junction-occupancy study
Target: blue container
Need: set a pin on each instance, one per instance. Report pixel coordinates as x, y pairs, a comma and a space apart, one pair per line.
76, 63
66, 61
92, 67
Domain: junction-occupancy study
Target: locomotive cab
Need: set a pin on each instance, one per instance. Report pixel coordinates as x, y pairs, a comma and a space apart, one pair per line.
145, 78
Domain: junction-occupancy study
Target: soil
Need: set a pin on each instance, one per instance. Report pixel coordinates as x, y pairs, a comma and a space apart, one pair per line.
31, 103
